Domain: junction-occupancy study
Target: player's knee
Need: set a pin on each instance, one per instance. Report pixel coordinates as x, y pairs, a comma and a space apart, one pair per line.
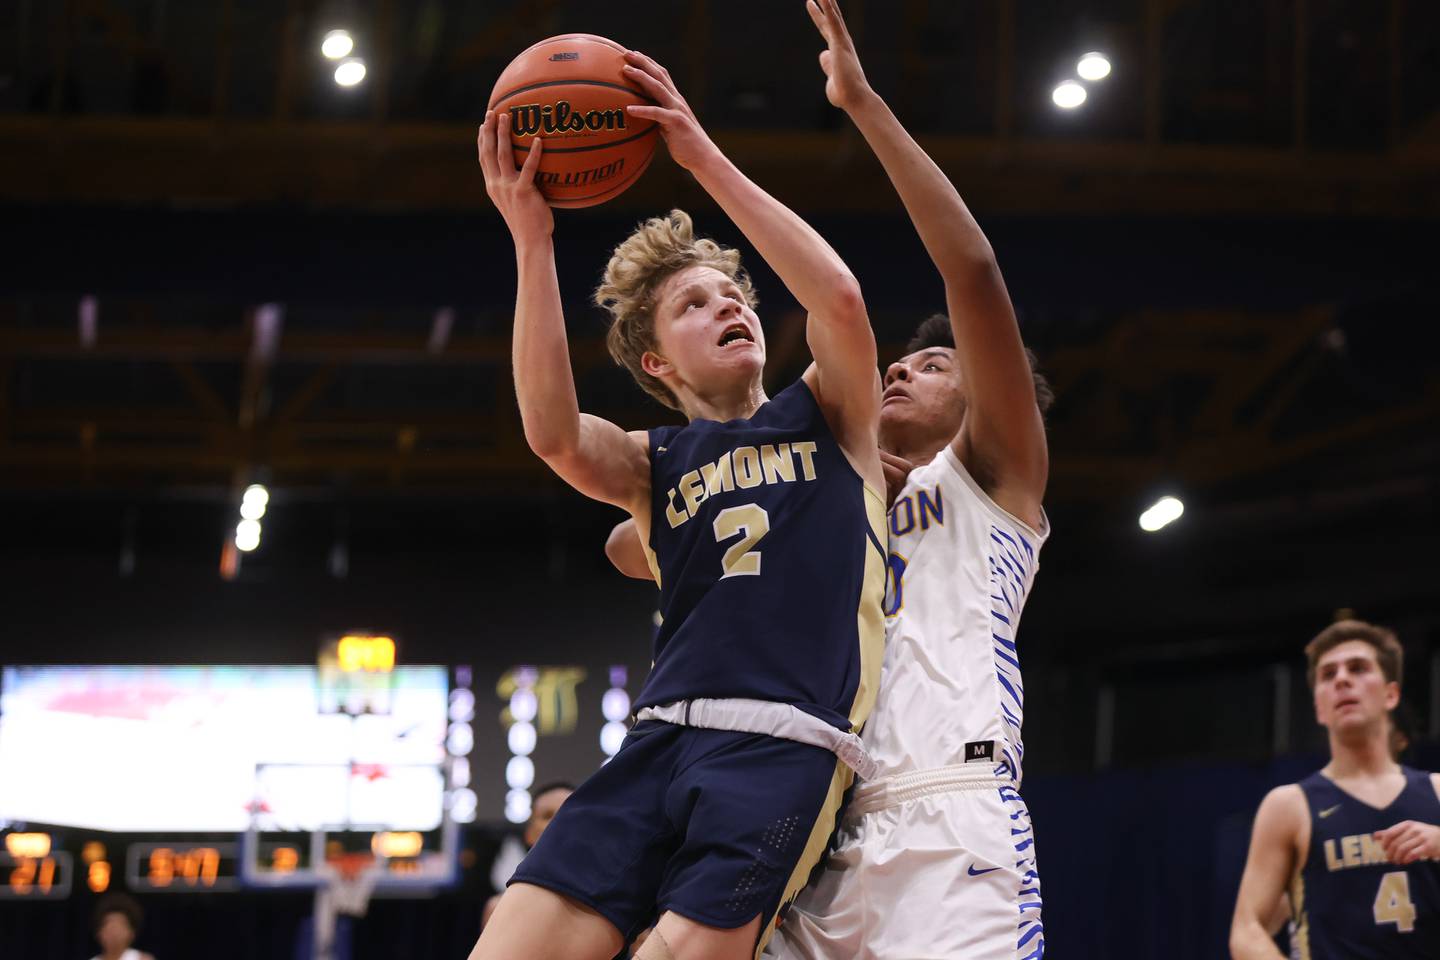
654, 948
677, 937
533, 921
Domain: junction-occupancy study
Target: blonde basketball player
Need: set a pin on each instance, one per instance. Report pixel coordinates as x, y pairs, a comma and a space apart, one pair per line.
766, 531
935, 857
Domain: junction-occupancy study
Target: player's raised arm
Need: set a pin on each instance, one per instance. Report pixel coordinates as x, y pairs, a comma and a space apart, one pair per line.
1004, 424
593, 455
1268, 869
838, 331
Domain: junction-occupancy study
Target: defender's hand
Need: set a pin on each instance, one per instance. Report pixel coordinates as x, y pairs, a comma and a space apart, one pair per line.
687, 141
845, 83
897, 470
513, 190
1410, 840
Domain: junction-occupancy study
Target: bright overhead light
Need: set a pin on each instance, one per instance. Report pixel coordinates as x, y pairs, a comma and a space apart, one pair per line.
462, 805
252, 509
337, 44
1068, 95
1093, 66
256, 493
350, 72
521, 739
615, 705
247, 535
517, 805
612, 737
1164, 512
520, 773
524, 705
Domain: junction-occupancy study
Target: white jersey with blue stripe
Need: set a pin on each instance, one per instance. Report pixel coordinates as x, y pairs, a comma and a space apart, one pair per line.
960, 571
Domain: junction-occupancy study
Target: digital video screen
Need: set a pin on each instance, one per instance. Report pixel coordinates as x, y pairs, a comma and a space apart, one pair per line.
193, 748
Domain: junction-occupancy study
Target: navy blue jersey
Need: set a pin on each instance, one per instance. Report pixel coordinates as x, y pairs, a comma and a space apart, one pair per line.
1349, 901
769, 551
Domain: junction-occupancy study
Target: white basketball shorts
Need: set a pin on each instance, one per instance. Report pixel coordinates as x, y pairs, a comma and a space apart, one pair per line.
933, 865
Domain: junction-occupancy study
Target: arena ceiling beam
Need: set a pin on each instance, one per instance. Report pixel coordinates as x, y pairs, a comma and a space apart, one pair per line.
1209, 398
222, 164
182, 343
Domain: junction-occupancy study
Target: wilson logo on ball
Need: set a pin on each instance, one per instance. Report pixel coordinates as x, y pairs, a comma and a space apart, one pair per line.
558, 57
531, 118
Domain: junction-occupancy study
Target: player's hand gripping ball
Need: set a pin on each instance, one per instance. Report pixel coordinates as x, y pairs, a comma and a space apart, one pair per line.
571, 92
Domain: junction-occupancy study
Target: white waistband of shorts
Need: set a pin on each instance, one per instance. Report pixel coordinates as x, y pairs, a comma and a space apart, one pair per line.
783, 720
904, 787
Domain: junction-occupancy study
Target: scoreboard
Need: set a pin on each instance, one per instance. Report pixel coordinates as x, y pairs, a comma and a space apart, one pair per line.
182, 866
36, 878
44, 866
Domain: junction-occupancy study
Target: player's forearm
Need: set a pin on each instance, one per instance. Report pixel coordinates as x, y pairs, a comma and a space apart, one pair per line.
951, 236
544, 384
808, 266
626, 553
1249, 941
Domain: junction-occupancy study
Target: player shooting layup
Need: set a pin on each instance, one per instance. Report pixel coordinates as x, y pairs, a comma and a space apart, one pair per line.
1355, 844
765, 530
936, 857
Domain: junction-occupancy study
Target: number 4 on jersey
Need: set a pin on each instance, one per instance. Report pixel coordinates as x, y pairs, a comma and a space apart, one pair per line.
1392, 902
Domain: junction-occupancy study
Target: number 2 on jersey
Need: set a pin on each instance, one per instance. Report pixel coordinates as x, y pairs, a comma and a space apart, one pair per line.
1392, 902
752, 521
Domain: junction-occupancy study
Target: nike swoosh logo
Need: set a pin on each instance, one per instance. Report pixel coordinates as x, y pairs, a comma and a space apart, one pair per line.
977, 873
1329, 810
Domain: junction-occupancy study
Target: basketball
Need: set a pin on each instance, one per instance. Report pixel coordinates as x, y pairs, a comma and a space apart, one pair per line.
570, 91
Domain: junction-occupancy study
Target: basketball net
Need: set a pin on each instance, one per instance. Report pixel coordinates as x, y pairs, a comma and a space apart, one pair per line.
349, 882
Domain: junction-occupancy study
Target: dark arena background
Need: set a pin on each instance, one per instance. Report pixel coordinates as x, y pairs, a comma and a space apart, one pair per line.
220, 270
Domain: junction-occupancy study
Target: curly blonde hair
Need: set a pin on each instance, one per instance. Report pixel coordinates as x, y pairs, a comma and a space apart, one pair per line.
659, 248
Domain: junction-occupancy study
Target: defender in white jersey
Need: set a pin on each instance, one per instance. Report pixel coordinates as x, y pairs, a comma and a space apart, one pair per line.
935, 857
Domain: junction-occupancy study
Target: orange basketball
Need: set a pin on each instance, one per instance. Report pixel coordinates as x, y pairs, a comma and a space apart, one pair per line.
569, 90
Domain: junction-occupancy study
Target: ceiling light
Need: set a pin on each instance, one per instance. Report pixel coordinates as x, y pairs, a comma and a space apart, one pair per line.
337, 44
1068, 95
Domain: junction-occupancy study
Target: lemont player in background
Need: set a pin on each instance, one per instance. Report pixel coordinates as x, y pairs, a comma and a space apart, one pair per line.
935, 857
1353, 846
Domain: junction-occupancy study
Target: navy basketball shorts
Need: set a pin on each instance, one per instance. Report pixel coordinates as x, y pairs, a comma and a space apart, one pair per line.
717, 826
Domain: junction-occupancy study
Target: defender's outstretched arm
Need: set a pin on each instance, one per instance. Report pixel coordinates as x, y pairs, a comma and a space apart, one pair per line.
1004, 425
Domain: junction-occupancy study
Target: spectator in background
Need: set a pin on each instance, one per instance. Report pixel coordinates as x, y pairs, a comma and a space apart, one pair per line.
545, 803
117, 921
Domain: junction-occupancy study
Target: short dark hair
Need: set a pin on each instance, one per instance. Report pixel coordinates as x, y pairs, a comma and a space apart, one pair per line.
935, 331
545, 788
120, 903
1388, 652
